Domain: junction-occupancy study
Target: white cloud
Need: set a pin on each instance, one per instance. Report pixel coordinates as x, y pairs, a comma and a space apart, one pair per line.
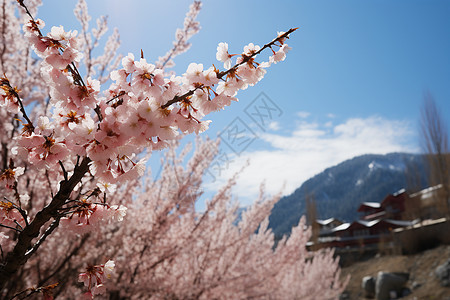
274, 126
309, 149
328, 124
303, 114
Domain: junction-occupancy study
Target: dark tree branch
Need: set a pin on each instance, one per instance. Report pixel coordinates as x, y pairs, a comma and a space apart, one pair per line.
17, 257
47, 232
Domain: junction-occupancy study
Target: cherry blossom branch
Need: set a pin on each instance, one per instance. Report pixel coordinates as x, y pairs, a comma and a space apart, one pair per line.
120, 94
72, 68
22, 293
78, 80
220, 75
28, 13
246, 58
46, 290
90, 41
180, 98
14, 92
191, 27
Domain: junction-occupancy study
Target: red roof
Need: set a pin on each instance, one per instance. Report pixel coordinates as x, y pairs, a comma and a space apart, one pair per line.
394, 198
369, 206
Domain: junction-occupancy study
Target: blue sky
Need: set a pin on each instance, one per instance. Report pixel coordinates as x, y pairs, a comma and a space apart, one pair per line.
352, 84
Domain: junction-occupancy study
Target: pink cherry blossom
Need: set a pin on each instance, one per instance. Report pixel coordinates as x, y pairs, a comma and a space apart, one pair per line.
106, 187
10, 215
280, 55
128, 63
9, 176
95, 276
251, 49
108, 268
194, 73
223, 55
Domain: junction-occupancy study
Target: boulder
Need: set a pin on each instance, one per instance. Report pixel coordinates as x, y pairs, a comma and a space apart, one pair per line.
368, 285
443, 273
390, 284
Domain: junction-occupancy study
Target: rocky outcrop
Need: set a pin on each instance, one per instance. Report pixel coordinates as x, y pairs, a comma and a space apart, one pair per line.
390, 285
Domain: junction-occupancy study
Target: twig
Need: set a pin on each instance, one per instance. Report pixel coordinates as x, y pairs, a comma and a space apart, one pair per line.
28, 13
63, 170
20, 226
22, 212
9, 227
180, 41
13, 91
49, 183
44, 289
117, 96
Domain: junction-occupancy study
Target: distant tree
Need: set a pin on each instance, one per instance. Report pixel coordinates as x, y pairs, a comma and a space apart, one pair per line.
414, 178
434, 140
311, 219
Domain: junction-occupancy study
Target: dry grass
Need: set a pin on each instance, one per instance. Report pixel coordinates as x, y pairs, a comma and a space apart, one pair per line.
420, 266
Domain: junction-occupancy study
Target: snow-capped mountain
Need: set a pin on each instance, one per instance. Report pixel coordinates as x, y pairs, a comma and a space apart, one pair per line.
339, 190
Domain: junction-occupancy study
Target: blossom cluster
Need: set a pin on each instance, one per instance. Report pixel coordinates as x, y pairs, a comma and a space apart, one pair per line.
94, 278
10, 175
8, 96
87, 216
10, 215
141, 110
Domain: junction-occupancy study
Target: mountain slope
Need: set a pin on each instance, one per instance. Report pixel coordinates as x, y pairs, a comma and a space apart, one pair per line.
339, 190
